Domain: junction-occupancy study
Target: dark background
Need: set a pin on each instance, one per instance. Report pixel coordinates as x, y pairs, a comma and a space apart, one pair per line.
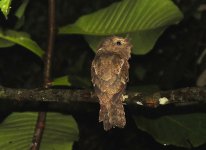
173, 63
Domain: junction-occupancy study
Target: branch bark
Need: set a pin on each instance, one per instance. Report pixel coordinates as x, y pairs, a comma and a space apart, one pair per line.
71, 100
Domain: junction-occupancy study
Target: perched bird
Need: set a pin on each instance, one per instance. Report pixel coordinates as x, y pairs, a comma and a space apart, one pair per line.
109, 72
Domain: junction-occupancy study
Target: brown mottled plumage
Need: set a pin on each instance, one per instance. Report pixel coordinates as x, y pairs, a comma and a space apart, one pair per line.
109, 73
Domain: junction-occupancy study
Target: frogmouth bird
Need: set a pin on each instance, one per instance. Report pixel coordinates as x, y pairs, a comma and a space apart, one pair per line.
109, 72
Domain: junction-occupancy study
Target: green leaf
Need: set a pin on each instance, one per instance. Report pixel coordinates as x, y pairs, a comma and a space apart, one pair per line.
22, 39
20, 11
20, 14
5, 7
147, 39
180, 130
61, 81
17, 131
19, 23
144, 20
142, 41
5, 43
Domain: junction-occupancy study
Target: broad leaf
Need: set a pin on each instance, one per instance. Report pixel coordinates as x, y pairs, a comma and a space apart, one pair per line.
5, 7
144, 20
61, 81
142, 41
17, 131
22, 39
180, 130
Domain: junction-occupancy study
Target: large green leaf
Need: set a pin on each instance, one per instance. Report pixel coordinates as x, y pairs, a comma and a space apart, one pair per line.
187, 130
142, 41
22, 39
17, 131
5, 7
144, 20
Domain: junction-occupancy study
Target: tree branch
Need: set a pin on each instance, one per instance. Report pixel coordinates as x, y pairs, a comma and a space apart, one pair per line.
71, 100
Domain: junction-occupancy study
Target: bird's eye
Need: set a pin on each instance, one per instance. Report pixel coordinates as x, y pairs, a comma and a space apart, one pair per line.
118, 43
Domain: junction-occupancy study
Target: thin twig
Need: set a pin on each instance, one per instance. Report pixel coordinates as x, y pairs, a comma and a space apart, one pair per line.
50, 45
39, 129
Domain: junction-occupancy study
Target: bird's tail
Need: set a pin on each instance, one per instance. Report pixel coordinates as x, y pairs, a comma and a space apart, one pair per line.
112, 114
